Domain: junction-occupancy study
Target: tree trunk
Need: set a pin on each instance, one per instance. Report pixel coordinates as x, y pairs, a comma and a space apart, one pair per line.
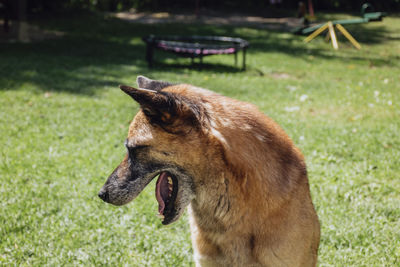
21, 25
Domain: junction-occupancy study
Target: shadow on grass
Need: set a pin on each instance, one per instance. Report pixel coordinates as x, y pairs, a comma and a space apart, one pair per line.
67, 64
162, 59
99, 50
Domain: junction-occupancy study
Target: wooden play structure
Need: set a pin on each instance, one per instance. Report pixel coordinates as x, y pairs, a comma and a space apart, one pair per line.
331, 34
367, 15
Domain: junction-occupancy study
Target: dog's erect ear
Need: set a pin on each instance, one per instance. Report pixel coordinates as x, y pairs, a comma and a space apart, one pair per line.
150, 100
146, 83
160, 107
141, 95
165, 108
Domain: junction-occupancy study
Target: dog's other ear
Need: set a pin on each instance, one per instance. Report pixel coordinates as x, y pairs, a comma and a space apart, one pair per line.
144, 82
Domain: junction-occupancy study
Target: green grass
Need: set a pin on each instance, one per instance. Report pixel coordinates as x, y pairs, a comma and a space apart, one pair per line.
63, 121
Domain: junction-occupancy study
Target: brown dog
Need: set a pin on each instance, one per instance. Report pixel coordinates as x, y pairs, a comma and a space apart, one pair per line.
243, 179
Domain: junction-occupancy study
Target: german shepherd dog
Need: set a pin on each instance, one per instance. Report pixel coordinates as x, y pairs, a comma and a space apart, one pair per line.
242, 177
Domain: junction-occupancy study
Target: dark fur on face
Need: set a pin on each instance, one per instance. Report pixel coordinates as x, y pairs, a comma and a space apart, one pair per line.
176, 116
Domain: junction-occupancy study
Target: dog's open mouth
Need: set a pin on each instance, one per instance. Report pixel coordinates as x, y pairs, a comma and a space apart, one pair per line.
166, 192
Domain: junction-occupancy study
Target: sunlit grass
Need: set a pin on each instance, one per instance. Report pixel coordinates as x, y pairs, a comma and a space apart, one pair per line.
63, 121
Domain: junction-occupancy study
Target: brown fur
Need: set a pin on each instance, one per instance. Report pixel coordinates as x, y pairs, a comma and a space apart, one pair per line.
244, 179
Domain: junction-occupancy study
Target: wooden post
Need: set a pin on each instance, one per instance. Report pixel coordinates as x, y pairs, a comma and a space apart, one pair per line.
333, 35
310, 8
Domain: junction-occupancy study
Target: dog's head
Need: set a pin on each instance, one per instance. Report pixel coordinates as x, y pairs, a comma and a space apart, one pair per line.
163, 141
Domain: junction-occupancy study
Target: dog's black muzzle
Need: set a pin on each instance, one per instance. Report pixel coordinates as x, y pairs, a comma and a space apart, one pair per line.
103, 195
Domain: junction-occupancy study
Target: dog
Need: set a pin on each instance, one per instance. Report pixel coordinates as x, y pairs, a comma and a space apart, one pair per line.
243, 180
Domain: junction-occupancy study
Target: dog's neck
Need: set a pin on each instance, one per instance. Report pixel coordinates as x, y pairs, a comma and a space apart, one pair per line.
221, 211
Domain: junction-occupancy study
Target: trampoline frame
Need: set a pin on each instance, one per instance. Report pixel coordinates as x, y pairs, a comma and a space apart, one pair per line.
195, 46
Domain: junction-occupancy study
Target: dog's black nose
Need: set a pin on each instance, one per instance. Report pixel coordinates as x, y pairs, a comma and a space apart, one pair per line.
103, 195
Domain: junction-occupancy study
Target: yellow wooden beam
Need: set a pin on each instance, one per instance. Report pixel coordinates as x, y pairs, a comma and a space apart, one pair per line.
348, 36
316, 33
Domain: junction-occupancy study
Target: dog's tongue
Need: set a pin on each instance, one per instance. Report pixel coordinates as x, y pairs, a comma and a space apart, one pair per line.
162, 191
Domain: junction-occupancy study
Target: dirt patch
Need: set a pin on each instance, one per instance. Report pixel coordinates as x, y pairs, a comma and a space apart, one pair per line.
284, 24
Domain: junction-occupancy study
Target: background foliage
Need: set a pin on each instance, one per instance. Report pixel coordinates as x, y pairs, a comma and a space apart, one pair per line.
118, 5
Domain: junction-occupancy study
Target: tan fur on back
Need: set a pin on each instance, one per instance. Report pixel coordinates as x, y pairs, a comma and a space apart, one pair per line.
253, 205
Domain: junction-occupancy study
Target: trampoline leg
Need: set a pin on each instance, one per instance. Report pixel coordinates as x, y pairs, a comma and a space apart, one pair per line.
201, 57
244, 59
235, 59
149, 55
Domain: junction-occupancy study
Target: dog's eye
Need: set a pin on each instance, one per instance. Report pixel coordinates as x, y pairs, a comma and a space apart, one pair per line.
133, 149
148, 112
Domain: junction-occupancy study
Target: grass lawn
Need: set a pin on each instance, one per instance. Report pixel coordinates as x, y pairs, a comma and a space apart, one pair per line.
63, 121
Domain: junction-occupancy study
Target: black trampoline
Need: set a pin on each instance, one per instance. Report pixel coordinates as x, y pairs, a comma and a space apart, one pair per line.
195, 46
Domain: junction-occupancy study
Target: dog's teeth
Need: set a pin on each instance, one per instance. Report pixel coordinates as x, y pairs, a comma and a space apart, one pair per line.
160, 216
169, 180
